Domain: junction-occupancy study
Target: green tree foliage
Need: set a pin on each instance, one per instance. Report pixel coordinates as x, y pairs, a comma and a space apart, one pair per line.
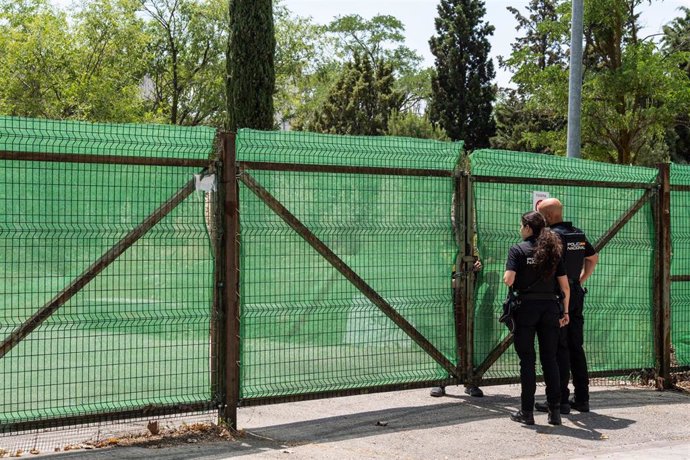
37, 54
361, 100
303, 75
521, 128
462, 90
250, 65
112, 57
632, 92
114, 60
184, 83
87, 68
676, 41
382, 39
409, 124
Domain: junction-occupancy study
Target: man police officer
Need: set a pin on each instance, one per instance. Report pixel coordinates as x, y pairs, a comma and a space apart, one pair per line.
580, 259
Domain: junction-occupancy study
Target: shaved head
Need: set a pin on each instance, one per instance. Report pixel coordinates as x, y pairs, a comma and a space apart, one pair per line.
552, 210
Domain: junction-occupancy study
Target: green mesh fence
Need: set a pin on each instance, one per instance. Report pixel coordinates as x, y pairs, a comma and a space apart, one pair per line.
138, 334
680, 265
304, 327
619, 306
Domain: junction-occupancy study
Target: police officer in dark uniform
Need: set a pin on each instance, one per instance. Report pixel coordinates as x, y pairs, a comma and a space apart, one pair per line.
580, 259
537, 277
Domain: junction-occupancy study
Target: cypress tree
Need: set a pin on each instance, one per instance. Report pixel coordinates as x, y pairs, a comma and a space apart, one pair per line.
462, 89
250, 66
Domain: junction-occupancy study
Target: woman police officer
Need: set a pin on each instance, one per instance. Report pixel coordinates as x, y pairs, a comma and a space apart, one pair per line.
535, 272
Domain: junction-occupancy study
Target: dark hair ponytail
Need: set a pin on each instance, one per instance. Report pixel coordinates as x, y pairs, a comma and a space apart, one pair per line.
548, 250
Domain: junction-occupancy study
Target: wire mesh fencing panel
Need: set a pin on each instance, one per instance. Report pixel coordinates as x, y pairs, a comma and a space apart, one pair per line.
619, 322
136, 336
305, 328
680, 265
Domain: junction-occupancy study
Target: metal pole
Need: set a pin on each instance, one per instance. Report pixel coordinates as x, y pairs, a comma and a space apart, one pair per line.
575, 89
459, 281
230, 299
665, 276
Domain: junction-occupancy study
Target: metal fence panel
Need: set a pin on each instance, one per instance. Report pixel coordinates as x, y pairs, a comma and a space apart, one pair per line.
307, 329
619, 328
680, 264
136, 336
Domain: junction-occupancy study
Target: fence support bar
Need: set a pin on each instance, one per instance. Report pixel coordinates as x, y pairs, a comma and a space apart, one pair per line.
459, 282
493, 356
664, 286
339, 169
98, 266
624, 219
230, 291
563, 182
347, 272
680, 278
101, 159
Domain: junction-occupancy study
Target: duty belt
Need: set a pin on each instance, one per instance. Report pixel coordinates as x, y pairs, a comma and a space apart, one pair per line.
538, 296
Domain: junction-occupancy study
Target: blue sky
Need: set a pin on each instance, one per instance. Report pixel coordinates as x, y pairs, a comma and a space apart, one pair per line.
418, 17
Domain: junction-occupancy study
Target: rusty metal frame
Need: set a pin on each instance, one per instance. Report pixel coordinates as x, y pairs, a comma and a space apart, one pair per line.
101, 159
470, 277
151, 410
651, 189
259, 401
561, 182
460, 281
663, 279
592, 375
229, 288
337, 169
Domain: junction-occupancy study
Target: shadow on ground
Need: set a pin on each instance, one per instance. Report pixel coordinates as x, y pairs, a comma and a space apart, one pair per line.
453, 410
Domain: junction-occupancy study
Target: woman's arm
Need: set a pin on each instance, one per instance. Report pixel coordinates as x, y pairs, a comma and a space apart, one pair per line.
509, 278
565, 289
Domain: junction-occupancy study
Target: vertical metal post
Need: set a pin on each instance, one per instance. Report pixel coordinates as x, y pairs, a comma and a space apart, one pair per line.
664, 308
460, 281
213, 220
575, 85
470, 276
230, 294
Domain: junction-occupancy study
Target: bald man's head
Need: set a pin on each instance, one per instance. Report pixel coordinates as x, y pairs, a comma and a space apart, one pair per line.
552, 210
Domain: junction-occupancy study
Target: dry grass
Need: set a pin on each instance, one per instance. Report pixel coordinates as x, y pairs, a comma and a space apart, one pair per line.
155, 438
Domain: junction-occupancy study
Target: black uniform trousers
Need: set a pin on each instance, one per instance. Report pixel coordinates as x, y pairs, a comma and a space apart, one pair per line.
538, 317
571, 353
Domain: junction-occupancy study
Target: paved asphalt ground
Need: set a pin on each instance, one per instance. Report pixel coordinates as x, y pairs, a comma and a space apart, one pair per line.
625, 423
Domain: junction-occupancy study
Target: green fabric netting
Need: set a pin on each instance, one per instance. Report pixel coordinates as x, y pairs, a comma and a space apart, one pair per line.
137, 334
305, 328
619, 306
680, 265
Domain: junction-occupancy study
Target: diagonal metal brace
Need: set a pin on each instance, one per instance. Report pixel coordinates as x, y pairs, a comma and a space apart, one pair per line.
492, 357
98, 266
346, 271
624, 219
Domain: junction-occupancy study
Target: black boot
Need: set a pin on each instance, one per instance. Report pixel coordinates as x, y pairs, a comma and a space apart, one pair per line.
522, 416
555, 414
544, 407
580, 406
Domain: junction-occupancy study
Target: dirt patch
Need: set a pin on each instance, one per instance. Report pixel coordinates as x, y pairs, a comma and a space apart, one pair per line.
681, 381
155, 438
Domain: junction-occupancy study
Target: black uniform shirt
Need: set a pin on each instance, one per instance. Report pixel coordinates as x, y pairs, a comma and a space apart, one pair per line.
521, 262
573, 256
